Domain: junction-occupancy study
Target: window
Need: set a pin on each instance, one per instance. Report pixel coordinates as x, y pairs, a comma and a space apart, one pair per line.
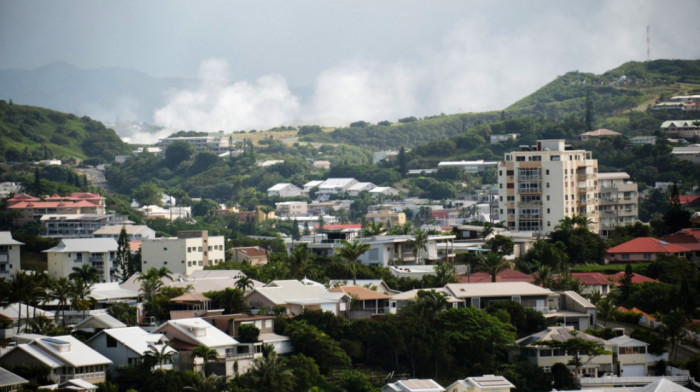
476, 302
509, 172
200, 249
165, 263
549, 211
520, 159
547, 172
189, 264
200, 263
111, 342
510, 198
647, 256
547, 185
625, 256
189, 250
555, 158
546, 353
165, 248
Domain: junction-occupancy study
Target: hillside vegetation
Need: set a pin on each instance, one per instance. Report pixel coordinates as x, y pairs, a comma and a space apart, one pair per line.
32, 133
574, 94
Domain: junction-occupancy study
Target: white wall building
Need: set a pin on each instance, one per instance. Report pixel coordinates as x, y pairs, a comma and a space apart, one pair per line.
98, 253
292, 208
188, 252
334, 186
284, 190
128, 346
618, 201
9, 255
541, 185
133, 232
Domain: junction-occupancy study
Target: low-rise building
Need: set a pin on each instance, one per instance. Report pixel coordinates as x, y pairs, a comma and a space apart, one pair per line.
66, 357
468, 166
383, 191
9, 381
495, 139
133, 232
682, 128
387, 217
689, 153
481, 295
642, 250
618, 201
284, 190
413, 385
10, 260
32, 208
598, 133
296, 297
99, 253
8, 188
642, 140
254, 255
360, 187
188, 252
292, 208
334, 186
129, 345
78, 225
365, 302
486, 383
630, 357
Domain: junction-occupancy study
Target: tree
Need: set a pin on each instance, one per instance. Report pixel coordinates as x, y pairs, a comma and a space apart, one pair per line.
207, 354
244, 283
673, 328
577, 348
425, 214
20, 292
419, 243
606, 309
676, 217
148, 193
350, 252
248, 333
80, 295
123, 262
372, 229
444, 274
205, 207
493, 263
85, 273
403, 162
178, 152
270, 374
61, 292
155, 356
501, 245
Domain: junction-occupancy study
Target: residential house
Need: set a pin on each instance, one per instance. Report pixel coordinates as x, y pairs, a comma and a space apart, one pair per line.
643, 250
292, 208
31, 208
400, 299
506, 275
573, 310
481, 295
360, 187
129, 345
311, 185
66, 357
495, 139
98, 322
681, 128
593, 282
296, 297
642, 140
199, 281
630, 357
373, 284
8, 188
187, 334
78, 225
192, 304
384, 191
387, 217
365, 302
486, 383
133, 232
172, 213
230, 323
413, 385
545, 356
10, 261
9, 381
321, 165
477, 166
379, 156
284, 190
188, 252
689, 153
217, 144
253, 255
10, 313
598, 133
617, 278
99, 253
688, 239
541, 185
618, 201
334, 186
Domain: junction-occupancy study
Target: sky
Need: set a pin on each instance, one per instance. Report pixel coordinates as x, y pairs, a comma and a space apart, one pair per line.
358, 60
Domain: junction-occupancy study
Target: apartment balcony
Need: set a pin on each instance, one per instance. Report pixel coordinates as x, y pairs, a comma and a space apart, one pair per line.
530, 190
530, 177
529, 216
531, 203
4, 257
587, 188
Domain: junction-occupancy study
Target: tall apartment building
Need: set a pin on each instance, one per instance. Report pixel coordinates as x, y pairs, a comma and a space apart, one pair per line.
188, 252
540, 185
618, 201
9, 254
99, 253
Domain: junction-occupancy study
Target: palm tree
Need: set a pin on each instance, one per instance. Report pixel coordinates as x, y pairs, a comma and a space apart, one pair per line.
444, 273
606, 310
373, 228
425, 214
419, 243
159, 356
544, 276
20, 291
299, 260
80, 296
487, 230
41, 325
269, 374
61, 292
350, 252
85, 273
244, 283
213, 383
207, 354
493, 263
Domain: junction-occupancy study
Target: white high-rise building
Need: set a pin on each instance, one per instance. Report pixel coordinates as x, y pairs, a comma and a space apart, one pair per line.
618, 201
9, 254
540, 185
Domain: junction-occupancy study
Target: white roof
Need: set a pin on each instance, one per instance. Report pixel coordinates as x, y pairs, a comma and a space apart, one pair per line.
679, 123
80, 383
46, 349
413, 294
663, 385
111, 291
498, 289
383, 189
485, 382
138, 339
559, 334
281, 186
117, 229
100, 320
282, 292
212, 337
6, 239
92, 245
201, 281
626, 341
613, 176
416, 385
337, 183
361, 186
312, 184
10, 311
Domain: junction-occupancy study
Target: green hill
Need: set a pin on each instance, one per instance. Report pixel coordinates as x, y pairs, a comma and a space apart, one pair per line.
631, 87
32, 133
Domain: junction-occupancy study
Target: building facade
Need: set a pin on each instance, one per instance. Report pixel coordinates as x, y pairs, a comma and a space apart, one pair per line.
541, 185
618, 201
188, 252
99, 253
9, 254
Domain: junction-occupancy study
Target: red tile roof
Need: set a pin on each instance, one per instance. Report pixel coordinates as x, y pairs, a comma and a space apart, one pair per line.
686, 238
636, 278
591, 278
442, 214
507, 275
688, 199
647, 245
252, 251
360, 293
